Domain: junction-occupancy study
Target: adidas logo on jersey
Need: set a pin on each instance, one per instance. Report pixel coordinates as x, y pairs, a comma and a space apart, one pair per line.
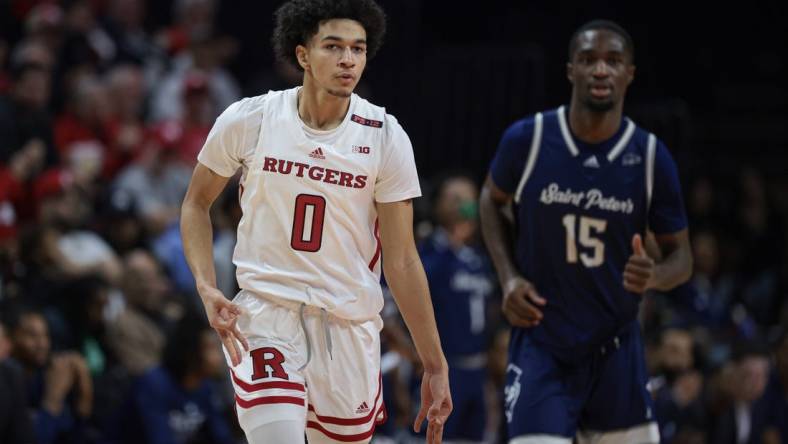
591, 162
630, 159
363, 408
317, 153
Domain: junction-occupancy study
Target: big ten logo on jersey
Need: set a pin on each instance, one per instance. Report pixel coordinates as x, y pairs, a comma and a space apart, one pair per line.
360, 149
267, 363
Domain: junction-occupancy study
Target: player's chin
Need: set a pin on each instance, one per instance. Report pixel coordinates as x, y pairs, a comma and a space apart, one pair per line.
342, 90
600, 104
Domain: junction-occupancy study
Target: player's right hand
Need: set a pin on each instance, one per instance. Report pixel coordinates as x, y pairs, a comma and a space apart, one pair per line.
223, 316
521, 303
436, 405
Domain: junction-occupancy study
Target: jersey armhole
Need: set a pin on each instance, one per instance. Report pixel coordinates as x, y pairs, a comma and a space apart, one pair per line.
536, 142
651, 151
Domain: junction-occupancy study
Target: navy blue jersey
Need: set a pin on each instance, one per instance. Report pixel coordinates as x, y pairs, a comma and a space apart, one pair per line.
461, 286
577, 207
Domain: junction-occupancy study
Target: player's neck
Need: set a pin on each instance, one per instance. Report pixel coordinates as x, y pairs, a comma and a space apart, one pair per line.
319, 109
594, 127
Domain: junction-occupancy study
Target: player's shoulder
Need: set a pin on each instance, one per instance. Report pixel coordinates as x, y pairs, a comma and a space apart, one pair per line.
243, 110
643, 137
371, 116
522, 130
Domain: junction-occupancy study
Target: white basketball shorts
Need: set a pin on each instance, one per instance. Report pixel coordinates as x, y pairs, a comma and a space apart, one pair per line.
305, 364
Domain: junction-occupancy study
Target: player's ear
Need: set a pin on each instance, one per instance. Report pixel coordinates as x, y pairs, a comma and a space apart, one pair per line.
630, 74
569, 70
302, 56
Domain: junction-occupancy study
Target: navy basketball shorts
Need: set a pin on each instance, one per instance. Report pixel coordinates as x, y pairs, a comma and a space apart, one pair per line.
601, 399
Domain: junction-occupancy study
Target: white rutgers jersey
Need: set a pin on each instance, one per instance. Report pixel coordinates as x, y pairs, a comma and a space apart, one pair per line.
309, 227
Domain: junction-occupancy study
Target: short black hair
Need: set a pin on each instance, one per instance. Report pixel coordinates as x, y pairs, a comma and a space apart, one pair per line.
298, 20
606, 25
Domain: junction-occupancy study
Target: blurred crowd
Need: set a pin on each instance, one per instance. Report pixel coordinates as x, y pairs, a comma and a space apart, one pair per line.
102, 336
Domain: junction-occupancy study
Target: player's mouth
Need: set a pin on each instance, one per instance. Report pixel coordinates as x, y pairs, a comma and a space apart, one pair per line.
601, 91
346, 78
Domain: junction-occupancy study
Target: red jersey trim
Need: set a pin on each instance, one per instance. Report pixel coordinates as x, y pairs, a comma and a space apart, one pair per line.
376, 257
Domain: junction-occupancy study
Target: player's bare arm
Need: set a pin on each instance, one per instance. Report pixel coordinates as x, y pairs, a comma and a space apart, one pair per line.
197, 234
405, 276
643, 273
521, 301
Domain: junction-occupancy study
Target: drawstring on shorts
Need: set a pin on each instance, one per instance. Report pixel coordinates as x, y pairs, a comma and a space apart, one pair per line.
326, 334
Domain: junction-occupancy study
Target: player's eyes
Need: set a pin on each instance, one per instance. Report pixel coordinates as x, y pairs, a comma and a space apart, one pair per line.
359, 49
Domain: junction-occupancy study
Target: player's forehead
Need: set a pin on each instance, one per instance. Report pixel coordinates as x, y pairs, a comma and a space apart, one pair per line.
340, 29
600, 41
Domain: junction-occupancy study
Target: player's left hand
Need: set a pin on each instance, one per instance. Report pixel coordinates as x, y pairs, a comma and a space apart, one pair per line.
639, 269
435, 405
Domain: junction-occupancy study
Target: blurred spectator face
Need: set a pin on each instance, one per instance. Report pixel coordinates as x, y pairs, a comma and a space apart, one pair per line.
45, 22
676, 351
704, 246
212, 357
456, 208
127, 91
752, 374
92, 103
129, 13
33, 52
31, 340
701, 197
197, 98
145, 285
28, 161
32, 86
197, 16
80, 18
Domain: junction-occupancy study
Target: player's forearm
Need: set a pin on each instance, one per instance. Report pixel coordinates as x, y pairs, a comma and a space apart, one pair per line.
197, 236
495, 231
408, 284
673, 270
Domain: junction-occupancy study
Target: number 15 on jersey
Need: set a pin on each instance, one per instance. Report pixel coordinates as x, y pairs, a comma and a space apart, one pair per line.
589, 228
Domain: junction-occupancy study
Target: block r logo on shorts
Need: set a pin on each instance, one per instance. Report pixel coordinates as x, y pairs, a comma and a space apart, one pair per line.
267, 363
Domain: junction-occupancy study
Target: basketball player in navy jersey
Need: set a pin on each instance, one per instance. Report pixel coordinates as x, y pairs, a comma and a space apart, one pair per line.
586, 184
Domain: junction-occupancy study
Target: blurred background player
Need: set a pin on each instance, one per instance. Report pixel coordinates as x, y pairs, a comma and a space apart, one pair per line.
461, 285
586, 184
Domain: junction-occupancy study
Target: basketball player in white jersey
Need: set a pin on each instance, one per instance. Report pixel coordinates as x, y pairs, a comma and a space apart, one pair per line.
326, 188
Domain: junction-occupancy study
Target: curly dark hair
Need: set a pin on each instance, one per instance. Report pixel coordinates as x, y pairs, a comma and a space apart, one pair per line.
298, 20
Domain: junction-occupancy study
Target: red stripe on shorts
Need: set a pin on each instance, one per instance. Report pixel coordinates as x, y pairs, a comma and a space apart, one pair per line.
268, 400
267, 385
345, 438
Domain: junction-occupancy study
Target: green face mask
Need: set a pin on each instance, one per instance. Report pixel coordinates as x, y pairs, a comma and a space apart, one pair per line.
469, 210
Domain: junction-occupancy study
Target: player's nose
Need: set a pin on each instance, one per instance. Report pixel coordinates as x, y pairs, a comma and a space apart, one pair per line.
347, 59
600, 69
